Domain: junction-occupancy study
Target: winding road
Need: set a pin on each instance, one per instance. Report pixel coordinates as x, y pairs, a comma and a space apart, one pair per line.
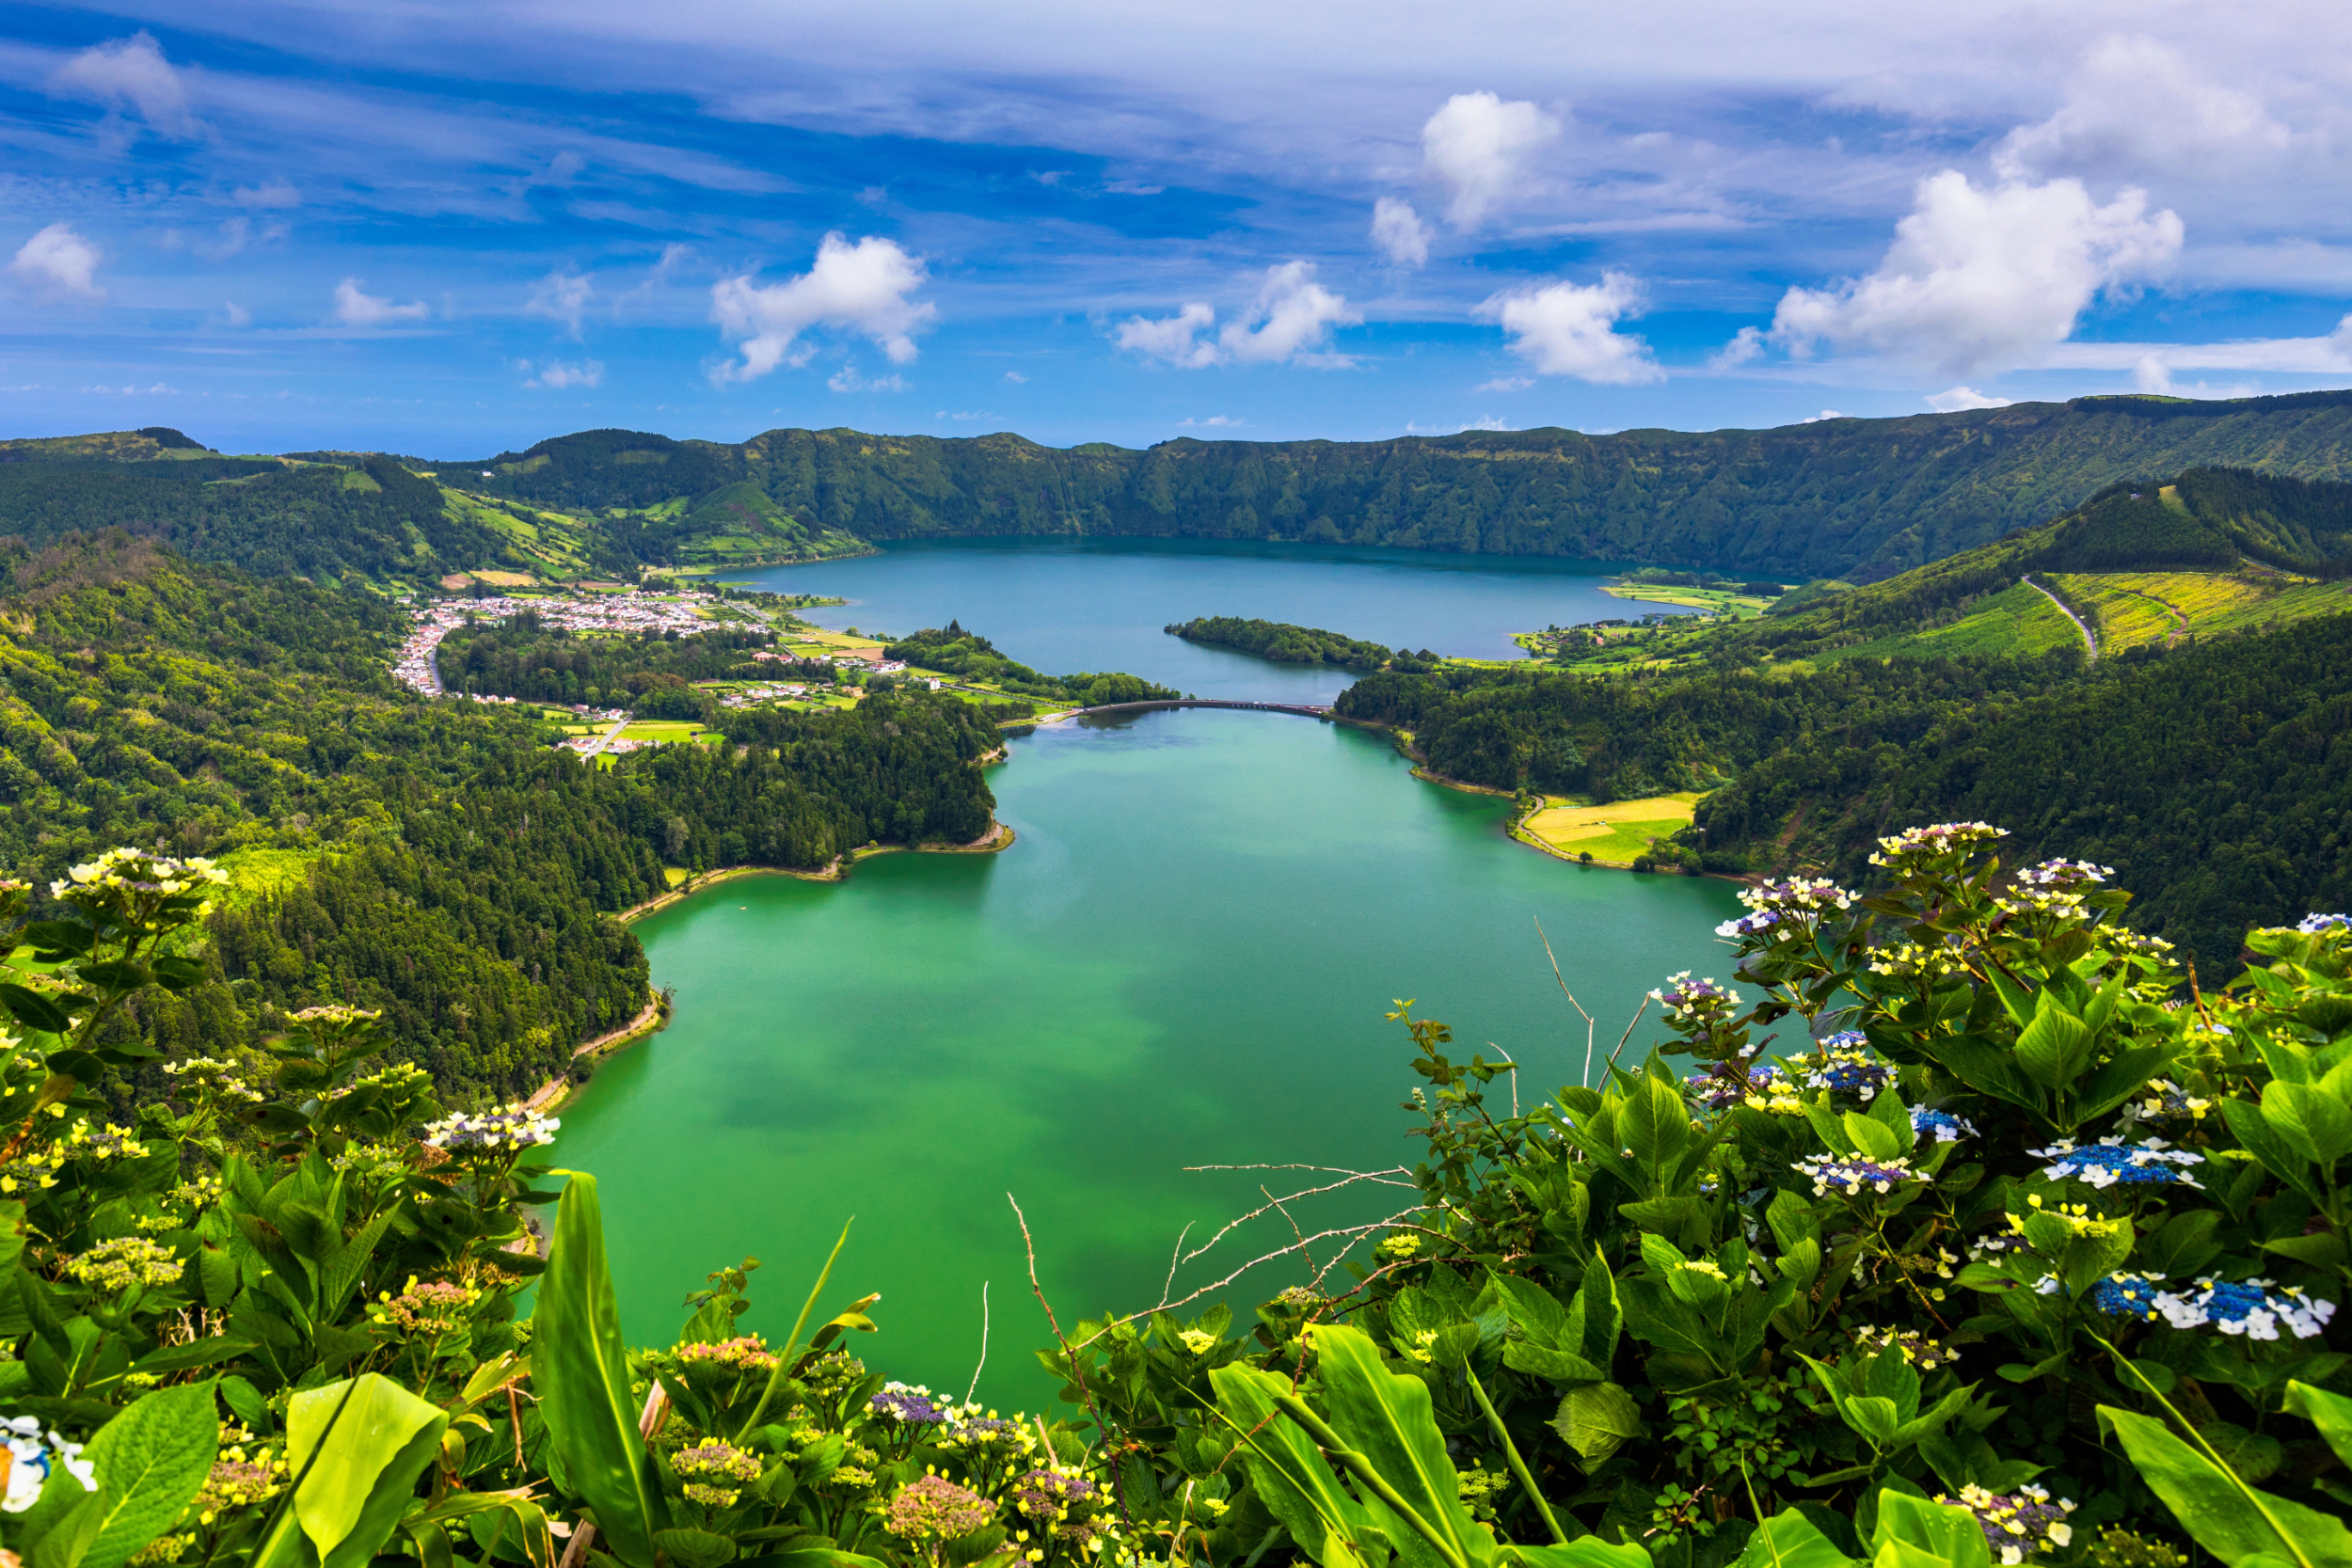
2090, 643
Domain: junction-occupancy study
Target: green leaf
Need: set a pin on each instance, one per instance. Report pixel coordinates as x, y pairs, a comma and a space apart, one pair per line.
1590, 1551
580, 1367
1790, 1539
2256, 1136
151, 1462
1386, 1418
695, 1548
2330, 1413
2314, 1124
1874, 1138
2228, 1518
1597, 1310
34, 1010
363, 1444
1597, 1421
1557, 1366
1288, 1472
2056, 1047
1945, 1534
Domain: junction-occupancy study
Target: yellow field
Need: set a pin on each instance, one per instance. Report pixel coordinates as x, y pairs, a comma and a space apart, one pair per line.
1617, 833
2165, 607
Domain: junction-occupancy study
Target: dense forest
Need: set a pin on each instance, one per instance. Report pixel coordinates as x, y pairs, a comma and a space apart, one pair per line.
1859, 498
954, 651
438, 860
1282, 643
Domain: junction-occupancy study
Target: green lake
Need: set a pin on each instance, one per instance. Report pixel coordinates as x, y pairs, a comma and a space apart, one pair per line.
1183, 961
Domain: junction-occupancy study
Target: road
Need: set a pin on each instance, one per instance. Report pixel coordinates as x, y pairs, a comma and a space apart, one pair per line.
1308, 710
2090, 643
607, 739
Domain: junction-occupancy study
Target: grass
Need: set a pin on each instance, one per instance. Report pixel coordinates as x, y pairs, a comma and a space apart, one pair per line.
1745, 606
673, 875
1617, 833
667, 731
2016, 620
258, 874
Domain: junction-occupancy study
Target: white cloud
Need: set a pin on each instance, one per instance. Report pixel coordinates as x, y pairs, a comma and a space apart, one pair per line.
2135, 108
2152, 364
559, 376
1824, 414
1293, 315
1014, 378
131, 74
1985, 278
1570, 329
1215, 421
845, 379
1960, 399
862, 288
58, 264
1399, 232
562, 295
1474, 148
276, 193
237, 314
1174, 338
1505, 384
355, 308
966, 414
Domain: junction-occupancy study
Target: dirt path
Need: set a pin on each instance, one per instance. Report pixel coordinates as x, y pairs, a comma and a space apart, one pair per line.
554, 1089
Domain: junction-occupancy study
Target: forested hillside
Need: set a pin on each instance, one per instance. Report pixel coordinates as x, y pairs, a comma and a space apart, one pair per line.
1839, 497
1282, 643
438, 860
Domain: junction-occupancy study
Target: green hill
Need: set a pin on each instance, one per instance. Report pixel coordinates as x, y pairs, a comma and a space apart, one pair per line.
1859, 498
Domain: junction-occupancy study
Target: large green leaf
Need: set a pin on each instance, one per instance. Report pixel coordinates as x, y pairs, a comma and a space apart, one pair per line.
149, 1463
359, 1448
1589, 1551
2232, 1520
1790, 1539
580, 1367
1597, 1421
1387, 1418
2330, 1413
1288, 1472
1937, 1531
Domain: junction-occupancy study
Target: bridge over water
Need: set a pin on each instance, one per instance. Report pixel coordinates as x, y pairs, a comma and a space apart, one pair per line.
1305, 710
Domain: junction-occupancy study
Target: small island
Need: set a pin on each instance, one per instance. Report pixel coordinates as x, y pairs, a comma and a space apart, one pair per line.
1285, 643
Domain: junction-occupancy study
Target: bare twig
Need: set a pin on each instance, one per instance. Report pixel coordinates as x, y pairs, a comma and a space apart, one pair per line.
1078, 1368
977, 1371
1295, 1231
1628, 1035
1585, 1077
1176, 1258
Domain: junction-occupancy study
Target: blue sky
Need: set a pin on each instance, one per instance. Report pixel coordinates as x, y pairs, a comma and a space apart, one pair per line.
448, 230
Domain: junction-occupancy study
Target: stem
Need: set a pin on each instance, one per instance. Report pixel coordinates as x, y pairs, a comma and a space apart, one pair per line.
2251, 1496
1511, 1452
792, 1341
1361, 1467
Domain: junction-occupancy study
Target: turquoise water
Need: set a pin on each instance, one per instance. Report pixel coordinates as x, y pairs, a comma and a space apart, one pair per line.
1183, 961
1064, 606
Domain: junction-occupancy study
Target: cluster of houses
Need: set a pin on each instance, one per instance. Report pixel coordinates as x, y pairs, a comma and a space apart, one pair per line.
605, 612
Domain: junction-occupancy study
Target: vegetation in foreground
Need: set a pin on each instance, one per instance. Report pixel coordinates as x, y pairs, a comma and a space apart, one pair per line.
2022, 1248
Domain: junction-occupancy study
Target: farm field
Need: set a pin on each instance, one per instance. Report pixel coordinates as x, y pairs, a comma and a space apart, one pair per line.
1615, 832
2016, 620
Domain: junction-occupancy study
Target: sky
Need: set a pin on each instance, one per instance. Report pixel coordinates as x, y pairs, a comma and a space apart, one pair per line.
420, 227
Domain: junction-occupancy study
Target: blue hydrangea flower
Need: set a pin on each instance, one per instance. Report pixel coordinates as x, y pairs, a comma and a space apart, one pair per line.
2112, 1160
2311, 925
1947, 1127
1852, 1175
2248, 1309
913, 1406
2128, 1295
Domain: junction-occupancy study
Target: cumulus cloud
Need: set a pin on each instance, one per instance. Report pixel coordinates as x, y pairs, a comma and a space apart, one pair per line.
561, 295
1474, 149
130, 75
1014, 378
1570, 329
1399, 232
1985, 278
1289, 322
1293, 315
1505, 384
860, 288
58, 264
1961, 399
2136, 108
558, 375
355, 308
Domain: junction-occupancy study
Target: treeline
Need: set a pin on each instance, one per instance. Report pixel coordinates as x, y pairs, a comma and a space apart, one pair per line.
522, 657
374, 518
956, 652
1282, 643
2217, 779
1860, 499
438, 861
